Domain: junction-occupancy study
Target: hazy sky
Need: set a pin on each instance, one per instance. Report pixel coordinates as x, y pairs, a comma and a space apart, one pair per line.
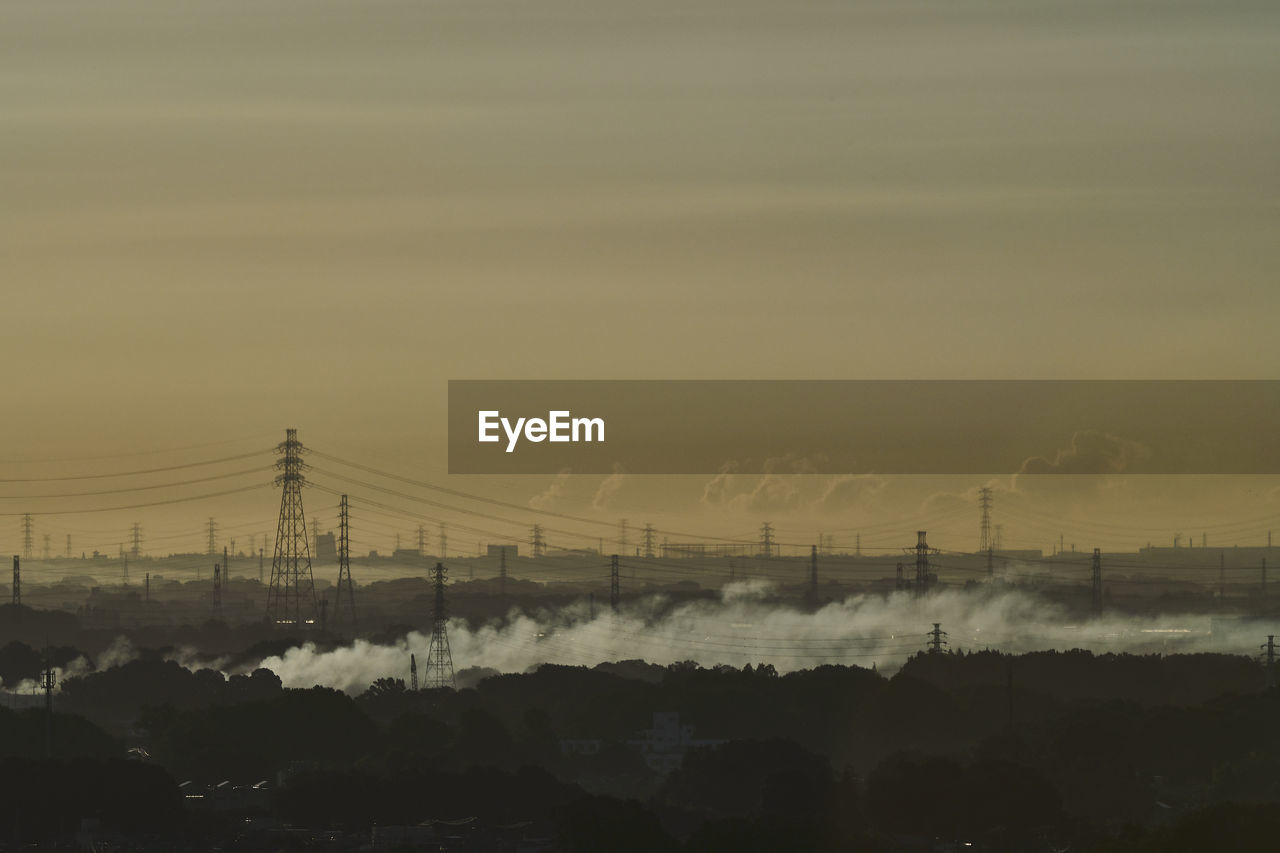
220, 219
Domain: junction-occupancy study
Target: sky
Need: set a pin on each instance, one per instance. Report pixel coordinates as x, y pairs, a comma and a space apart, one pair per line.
220, 220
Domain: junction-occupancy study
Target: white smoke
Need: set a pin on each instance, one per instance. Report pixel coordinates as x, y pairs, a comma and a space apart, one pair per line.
741, 627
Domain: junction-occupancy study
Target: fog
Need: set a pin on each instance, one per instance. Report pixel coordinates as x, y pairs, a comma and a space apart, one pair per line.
744, 627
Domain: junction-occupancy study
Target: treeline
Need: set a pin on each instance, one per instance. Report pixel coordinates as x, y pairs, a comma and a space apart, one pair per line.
1035, 752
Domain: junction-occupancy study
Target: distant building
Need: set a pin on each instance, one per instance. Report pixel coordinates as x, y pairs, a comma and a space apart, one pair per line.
694, 550
326, 548
664, 745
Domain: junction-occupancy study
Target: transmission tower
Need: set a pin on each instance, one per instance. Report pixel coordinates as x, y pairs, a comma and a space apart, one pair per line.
444, 543
648, 541
984, 536
1269, 649
291, 598
28, 540
413, 673
615, 584
48, 547
766, 540
1097, 581
345, 586
900, 581
922, 565
422, 541
439, 658
17, 581
136, 533
539, 546
936, 641
212, 547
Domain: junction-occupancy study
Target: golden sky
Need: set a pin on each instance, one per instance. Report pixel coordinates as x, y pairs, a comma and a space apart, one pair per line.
221, 219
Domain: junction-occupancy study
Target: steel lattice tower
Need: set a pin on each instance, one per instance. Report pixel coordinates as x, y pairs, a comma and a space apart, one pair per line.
984, 536
766, 540
648, 541
935, 639
291, 599
922, 565
27, 538
345, 587
439, 659
615, 584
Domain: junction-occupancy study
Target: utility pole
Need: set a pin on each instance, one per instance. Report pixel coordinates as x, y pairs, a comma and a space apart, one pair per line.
439, 657
936, 641
345, 585
984, 534
17, 581
502, 570
28, 540
136, 533
48, 681
536, 540
615, 584
648, 541
261, 563
213, 538
766, 540
226, 564
217, 591
292, 595
813, 573
1097, 581
922, 565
